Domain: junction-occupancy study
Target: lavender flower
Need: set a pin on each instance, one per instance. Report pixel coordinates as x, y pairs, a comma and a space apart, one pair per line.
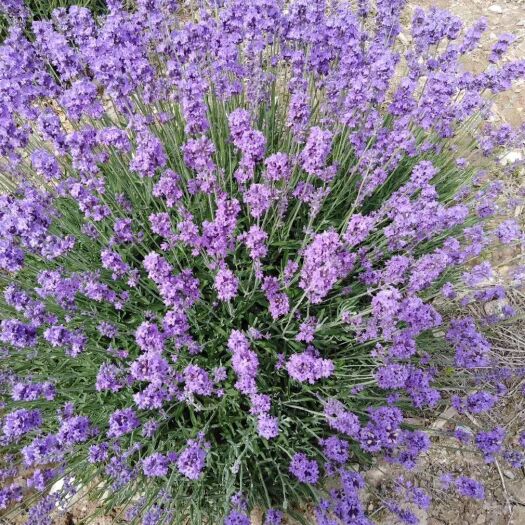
335, 449
325, 262
306, 367
470, 488
149, 155
192, 459
501, 46
226, 284
122, 422
316, 151
255, 240
258, 198
304, 469
197, 381
490, 443
267, 426
277, 167
155, 465
237, 518
471, 347
20, 422
273, 517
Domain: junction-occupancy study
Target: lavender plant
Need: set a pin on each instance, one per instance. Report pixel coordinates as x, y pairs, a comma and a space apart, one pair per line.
230, 247
40, 9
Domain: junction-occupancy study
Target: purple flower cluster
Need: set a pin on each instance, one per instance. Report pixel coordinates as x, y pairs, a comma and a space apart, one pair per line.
325, 262
470, 346
18, 423
490, 443
306, 367
255, 239
32, 391
244, 362
304, 469
470, 488
192, 459
279, 303
122, 422
341, 419
226, 284
315, 154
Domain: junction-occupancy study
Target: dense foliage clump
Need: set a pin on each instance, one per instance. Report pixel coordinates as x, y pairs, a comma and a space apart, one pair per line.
230, 247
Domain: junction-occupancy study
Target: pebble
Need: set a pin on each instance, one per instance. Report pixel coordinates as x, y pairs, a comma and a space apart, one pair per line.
374, 477
404, 39
256, 517
511, 157
496, 8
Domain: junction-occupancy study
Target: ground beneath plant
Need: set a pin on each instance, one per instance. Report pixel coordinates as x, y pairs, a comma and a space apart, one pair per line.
505, 488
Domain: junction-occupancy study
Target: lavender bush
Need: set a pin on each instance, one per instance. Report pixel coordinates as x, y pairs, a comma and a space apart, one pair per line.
230, 250
39, 9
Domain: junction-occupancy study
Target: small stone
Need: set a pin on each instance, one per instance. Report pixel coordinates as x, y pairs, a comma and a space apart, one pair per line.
374, 477
518, 516
511, 157
256, 516
496, 8
422, 516
404, 39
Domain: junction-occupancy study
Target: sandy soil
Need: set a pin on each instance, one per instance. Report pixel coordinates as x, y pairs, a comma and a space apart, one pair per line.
505, 501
